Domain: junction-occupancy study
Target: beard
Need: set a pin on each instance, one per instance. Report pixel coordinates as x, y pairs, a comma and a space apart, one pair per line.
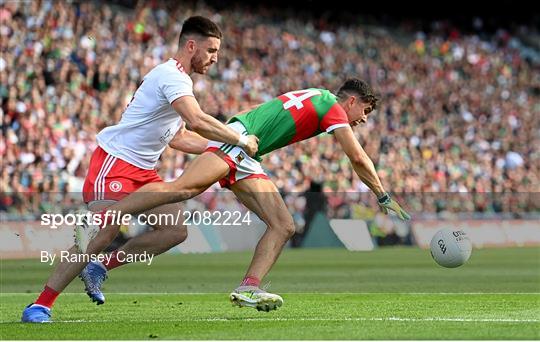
198, 65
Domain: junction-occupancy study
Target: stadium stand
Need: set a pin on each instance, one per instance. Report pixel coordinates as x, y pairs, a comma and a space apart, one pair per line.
459, 113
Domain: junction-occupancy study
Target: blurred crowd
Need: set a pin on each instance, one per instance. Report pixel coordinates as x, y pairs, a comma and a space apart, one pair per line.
459, 112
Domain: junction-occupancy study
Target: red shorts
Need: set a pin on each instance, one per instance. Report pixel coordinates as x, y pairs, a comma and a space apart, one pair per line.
241, 166
111, 178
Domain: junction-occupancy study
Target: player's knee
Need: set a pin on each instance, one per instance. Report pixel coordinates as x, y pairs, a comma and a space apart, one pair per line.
180, 235
289, 229
285, 228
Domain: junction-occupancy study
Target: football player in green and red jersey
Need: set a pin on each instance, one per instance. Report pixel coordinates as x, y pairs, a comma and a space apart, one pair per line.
289, 118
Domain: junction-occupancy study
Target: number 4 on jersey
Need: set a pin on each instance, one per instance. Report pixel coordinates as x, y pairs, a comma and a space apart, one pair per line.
296, 98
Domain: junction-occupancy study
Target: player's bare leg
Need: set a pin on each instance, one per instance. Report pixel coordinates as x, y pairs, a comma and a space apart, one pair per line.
163, 237
155, 242
65, 272
262, 197
204, 171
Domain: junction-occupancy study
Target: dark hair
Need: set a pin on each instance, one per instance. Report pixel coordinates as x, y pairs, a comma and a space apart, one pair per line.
200, 26
355, 86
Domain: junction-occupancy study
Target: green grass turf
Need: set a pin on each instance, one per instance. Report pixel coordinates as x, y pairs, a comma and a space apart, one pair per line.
393, 293
304, 316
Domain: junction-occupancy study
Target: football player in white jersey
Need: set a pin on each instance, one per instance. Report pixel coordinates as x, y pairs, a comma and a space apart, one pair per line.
128, 152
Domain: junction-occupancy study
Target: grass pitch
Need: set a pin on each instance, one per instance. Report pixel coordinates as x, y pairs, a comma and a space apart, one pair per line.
394, 293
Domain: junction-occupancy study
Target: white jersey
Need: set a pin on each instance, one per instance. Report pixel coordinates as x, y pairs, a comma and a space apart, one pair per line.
149, 122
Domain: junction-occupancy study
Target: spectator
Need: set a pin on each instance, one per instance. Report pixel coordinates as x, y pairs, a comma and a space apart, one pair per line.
459, 113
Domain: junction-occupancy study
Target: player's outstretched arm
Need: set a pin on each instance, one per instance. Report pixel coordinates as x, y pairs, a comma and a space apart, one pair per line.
362, 164
364, 168
210, 128
188, 141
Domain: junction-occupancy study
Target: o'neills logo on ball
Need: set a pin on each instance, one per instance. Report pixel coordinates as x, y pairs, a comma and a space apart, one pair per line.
115, 186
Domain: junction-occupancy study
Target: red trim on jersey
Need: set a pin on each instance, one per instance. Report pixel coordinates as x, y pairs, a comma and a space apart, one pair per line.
305, 119
179, 65
335, 115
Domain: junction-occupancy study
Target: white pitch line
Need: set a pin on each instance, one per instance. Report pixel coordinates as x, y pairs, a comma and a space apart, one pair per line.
295, 293
317, 319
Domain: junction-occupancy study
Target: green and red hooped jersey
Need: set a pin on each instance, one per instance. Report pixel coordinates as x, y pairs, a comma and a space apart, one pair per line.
293, 117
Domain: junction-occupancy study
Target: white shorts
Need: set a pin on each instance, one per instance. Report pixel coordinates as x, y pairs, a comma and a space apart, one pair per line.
241, 165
